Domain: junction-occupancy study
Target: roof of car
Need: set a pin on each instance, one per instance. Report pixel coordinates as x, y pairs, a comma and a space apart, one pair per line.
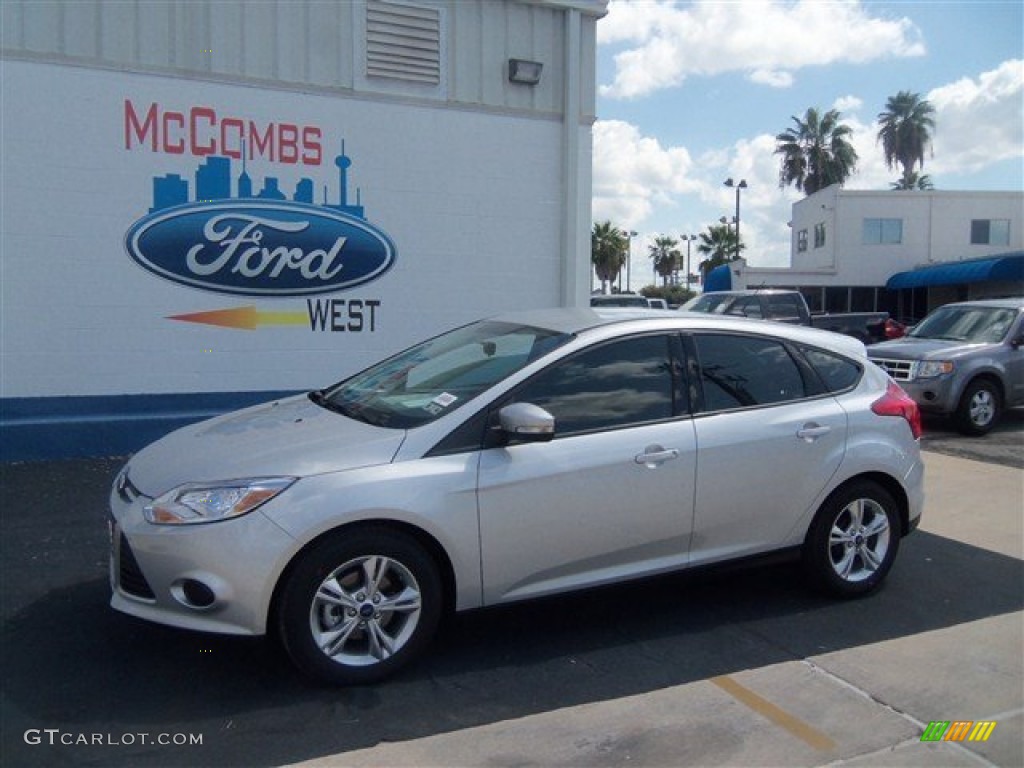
749, 292
583, 319
1015, 302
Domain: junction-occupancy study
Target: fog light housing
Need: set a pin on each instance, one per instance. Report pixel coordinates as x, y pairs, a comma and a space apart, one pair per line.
193, 593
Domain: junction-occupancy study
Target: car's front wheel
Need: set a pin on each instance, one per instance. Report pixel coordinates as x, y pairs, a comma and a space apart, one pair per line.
979, 407
359, 605
853, 540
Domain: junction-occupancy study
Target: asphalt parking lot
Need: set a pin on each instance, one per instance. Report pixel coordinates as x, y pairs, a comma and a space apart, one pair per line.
744, 667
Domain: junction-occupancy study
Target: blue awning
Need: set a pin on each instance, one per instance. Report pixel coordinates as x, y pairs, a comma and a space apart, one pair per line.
718, 279
1007, 267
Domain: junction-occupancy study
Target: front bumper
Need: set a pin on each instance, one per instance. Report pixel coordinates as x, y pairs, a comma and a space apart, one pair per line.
934, 395
216, 577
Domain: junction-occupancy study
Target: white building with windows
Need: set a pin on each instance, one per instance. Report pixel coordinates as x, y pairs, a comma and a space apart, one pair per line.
901, 251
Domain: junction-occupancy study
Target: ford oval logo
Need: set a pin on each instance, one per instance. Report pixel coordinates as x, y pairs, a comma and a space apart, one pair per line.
260, 249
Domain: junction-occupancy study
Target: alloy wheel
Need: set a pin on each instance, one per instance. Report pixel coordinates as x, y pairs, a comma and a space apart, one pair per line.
365, 611
859, 540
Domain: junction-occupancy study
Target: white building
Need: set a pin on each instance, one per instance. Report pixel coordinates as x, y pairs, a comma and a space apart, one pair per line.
210, 202
901, 251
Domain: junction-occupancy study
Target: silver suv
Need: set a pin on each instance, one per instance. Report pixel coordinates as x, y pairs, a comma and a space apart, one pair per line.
512, 458
964, 360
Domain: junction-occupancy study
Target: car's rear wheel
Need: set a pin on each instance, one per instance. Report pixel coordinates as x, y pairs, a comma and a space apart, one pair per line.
359, 605
853, 540
979, 407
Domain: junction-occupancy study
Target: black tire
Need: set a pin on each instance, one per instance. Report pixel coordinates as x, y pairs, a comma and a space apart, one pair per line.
853, 540
359, 605
979, 408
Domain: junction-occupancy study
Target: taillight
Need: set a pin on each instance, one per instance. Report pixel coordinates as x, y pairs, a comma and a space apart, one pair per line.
894, 330
896, 402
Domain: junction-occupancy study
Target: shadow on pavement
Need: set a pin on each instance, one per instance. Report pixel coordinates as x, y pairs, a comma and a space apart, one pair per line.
71, 663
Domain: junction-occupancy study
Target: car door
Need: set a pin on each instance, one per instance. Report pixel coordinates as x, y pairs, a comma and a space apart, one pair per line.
611, 495
769, 440
1014, 360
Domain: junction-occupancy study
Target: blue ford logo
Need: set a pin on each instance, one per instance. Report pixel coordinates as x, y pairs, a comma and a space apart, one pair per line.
260, 249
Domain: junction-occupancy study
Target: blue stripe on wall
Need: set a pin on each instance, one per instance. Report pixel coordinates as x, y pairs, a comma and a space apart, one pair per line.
40, 428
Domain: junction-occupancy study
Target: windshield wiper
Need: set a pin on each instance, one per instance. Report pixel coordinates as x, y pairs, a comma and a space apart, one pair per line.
319, 397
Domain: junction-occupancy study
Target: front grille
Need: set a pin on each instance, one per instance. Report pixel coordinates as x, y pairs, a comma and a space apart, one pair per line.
129, 575
125, 488
900, 370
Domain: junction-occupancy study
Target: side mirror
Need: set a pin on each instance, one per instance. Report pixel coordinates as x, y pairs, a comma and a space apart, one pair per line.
1017, 342
526, 423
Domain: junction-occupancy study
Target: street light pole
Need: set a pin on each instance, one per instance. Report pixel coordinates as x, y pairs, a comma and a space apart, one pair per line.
689, 239
742, 185
629, 258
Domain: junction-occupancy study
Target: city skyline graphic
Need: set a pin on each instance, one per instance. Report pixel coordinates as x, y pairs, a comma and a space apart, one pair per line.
213, 183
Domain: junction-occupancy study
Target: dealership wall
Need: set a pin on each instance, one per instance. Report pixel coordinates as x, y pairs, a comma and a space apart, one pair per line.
210, 204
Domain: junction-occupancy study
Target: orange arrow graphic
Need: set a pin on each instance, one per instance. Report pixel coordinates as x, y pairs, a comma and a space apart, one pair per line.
246, 318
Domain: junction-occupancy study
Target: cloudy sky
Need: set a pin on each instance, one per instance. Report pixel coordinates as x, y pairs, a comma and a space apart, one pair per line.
691, 93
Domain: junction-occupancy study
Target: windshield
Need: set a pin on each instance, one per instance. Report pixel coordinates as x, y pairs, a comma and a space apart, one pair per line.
978, 325
434, 378
708, 302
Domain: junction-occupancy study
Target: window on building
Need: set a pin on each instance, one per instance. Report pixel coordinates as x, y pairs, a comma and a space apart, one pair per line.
990, 231
837, 299
801, 240
814, 296
882, 231
819, 235
862, 299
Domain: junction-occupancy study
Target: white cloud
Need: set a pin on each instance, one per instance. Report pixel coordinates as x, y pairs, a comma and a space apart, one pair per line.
978, 121
768, 39
771, 77
641, 185
632, 172
846, 104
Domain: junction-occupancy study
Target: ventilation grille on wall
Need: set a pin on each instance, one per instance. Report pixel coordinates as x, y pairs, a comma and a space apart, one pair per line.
403, 42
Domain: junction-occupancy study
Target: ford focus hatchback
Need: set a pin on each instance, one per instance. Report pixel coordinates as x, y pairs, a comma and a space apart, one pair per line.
515, 457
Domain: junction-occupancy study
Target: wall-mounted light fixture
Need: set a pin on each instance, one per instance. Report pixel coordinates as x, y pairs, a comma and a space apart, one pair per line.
523, 71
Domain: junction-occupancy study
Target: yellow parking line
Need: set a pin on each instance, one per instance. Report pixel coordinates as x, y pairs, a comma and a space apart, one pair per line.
797, 727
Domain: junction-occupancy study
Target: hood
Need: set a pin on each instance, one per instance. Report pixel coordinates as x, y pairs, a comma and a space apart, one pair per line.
909, 348
292, 437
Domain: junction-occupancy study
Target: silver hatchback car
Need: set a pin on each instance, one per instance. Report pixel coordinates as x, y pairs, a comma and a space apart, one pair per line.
521, 456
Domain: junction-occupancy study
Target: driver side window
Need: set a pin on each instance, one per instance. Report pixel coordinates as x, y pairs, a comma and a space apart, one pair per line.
621, 383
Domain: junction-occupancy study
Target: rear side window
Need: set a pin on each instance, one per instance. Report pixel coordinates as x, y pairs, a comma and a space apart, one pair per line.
748, 306
745, 371
837, 373
783, 307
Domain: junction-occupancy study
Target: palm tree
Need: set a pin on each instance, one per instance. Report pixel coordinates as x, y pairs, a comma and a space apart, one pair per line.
607, 251
816, 152
914, 182
719, 245
665, 256
905, 130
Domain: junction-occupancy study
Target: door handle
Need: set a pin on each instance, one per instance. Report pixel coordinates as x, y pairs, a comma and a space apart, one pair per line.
811, 432
654, 456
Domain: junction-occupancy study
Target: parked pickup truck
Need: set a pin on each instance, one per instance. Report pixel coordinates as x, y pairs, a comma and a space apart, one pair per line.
790, 307
964, 360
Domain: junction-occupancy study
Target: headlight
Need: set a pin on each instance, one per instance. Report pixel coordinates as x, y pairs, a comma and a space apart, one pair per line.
928, 369
209, 502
